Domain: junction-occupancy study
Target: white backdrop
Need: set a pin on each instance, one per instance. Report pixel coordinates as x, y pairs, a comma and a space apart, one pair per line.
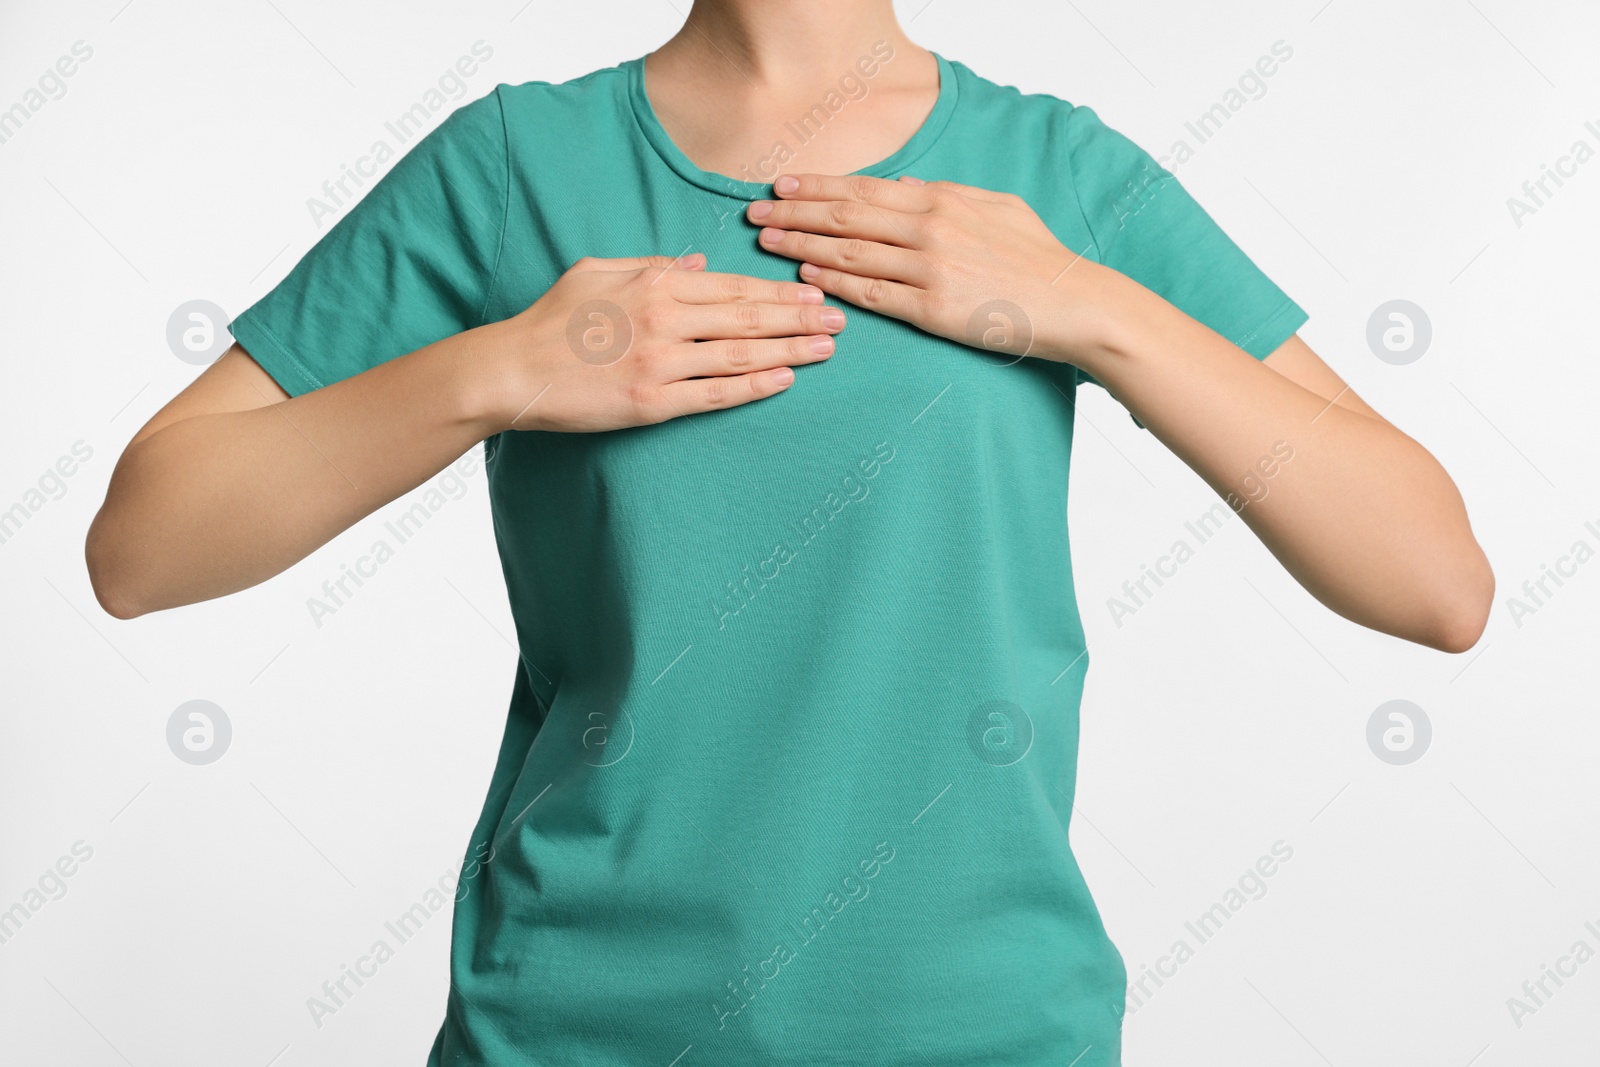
1229, 714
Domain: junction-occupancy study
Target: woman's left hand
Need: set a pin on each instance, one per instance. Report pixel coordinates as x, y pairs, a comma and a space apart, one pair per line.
975, 266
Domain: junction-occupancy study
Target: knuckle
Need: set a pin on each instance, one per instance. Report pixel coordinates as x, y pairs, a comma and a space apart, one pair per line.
735, 287
638, 284
853, 250
738, 354
644, 400
716, 392
654, 316
874, 292
842, 213
747, 316
863, 188
649, 361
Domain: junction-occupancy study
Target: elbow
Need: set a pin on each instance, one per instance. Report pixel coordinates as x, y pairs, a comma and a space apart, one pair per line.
106, 578
1463, 610
115, 607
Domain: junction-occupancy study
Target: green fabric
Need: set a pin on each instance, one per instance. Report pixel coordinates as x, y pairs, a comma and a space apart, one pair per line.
791, 748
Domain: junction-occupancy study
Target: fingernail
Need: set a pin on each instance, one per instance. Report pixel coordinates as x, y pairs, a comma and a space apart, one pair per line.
809, 270
786, 184
760, 210
771, 235
832, 318
810, 294
783, 376
822, 344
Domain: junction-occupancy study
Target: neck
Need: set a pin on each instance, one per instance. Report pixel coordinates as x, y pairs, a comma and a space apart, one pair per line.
769, 43
750, 86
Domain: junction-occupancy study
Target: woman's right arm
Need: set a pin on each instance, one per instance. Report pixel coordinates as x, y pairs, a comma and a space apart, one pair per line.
234, 481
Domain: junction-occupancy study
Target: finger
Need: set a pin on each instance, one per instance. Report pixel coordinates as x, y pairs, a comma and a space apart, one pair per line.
716, 287
688, 261
741, 355
716, 322
970, 191
891, 298
880, 192
868, 258
712, 394
837, 218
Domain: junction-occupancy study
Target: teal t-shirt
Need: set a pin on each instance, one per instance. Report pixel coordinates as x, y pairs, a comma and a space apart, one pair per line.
790, 755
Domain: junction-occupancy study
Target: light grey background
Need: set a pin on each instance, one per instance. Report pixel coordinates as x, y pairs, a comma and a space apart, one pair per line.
1227, 714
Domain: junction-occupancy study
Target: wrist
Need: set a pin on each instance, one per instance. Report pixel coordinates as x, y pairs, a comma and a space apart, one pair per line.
501, 375
1095, 327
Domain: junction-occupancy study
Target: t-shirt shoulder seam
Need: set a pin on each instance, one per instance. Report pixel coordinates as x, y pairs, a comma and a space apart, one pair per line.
505, 209
1077, 190
1048, 98
543, 83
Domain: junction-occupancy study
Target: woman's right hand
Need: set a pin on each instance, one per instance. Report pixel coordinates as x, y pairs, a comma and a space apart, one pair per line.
631, 342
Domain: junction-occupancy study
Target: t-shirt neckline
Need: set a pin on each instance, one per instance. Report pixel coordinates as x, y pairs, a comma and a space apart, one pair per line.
650, 126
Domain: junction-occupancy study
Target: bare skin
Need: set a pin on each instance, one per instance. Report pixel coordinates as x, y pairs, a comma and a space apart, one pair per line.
233, 482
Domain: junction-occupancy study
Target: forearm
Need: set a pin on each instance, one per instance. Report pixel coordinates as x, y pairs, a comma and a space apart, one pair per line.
216, 503
1359, 513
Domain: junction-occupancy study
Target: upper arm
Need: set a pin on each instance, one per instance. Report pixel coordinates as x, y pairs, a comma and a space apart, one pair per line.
412, 262
408, 264
1295, 360
1145, 224
235, 382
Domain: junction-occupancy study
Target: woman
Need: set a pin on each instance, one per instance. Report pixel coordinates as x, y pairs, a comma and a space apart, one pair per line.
778, 461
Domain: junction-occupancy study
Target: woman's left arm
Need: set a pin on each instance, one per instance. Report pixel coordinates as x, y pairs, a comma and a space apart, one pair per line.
1360, 514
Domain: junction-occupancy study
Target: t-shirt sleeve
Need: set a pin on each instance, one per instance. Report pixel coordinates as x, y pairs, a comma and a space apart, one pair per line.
1145, 224
409, 264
